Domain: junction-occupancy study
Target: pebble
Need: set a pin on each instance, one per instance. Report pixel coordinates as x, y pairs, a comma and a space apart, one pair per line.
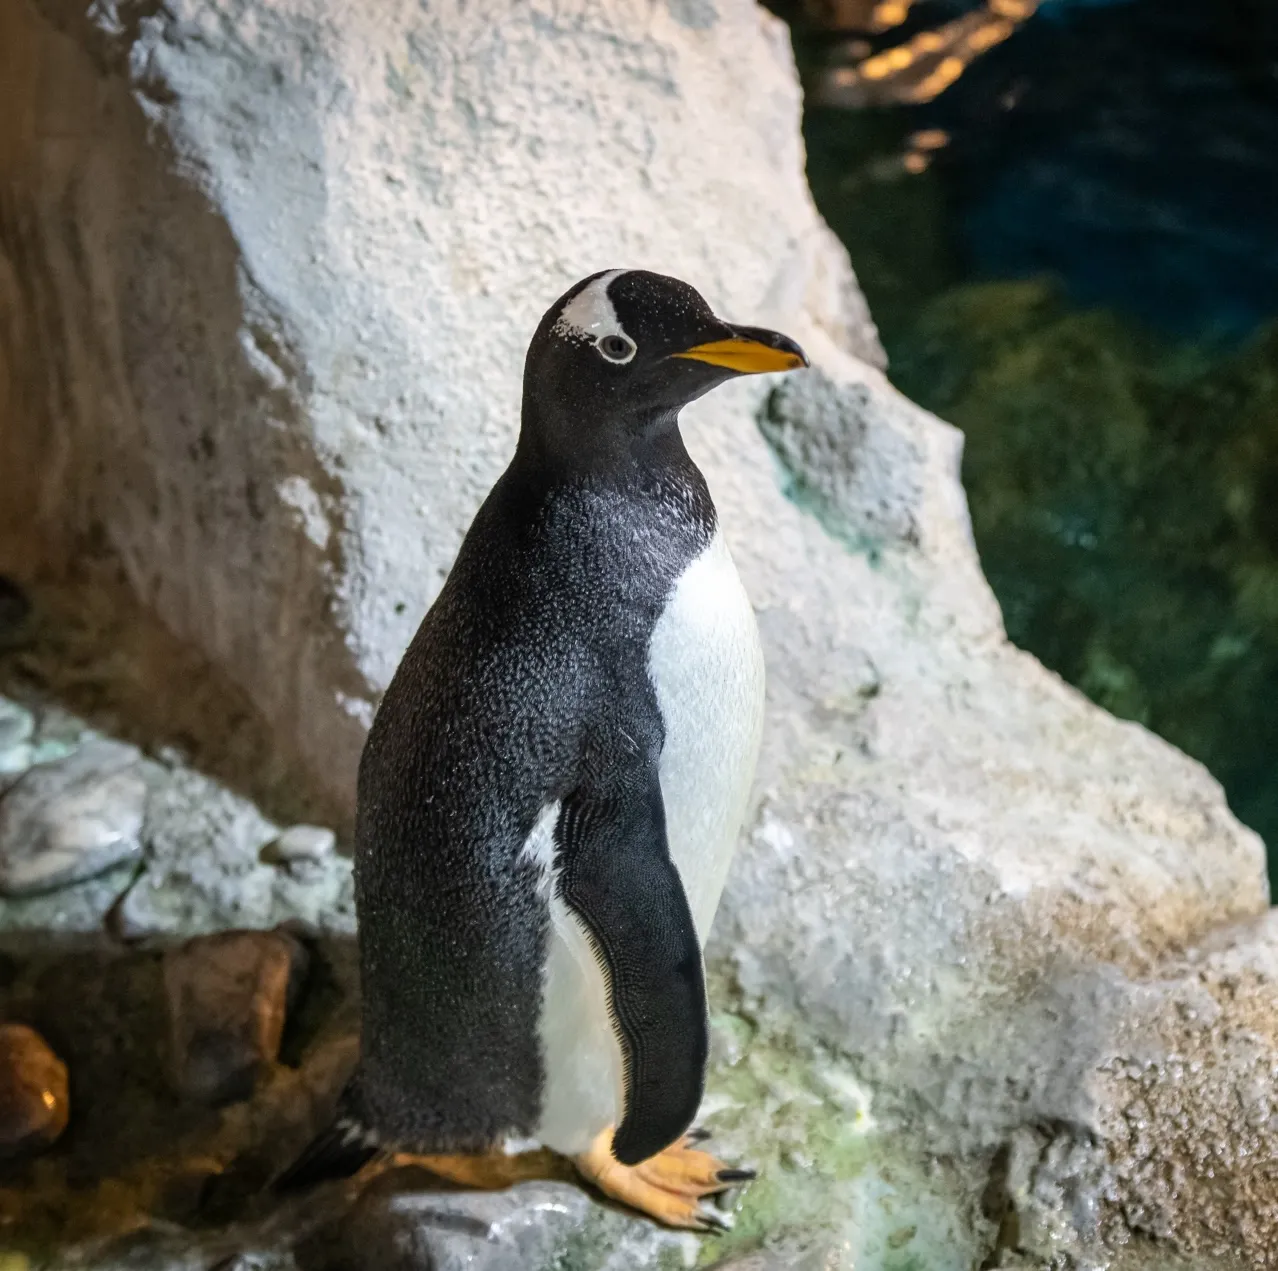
305, 843
228, 996
34, 1097
72, 819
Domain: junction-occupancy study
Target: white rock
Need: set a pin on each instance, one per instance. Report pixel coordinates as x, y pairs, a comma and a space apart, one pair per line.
70, 820
305, 843
204, 870
312, 394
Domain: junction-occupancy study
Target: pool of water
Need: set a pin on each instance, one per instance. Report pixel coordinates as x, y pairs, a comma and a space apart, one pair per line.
1065, 218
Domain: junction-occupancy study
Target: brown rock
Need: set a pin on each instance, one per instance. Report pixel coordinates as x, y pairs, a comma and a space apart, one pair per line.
228, 995
34, 1099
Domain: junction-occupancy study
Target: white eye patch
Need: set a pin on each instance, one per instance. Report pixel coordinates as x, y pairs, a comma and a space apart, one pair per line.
590, 314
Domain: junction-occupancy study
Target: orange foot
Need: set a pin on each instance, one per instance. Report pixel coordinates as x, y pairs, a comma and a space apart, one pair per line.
670, 1187
490, 1171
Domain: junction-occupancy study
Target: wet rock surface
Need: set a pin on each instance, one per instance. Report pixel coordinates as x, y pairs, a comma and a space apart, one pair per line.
34, 1094
228, 996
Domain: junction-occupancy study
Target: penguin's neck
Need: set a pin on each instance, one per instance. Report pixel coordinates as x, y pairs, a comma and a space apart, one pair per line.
651, 471
642, 454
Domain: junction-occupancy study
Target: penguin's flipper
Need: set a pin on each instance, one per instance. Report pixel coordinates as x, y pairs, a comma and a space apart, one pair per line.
341, 1149
616, 874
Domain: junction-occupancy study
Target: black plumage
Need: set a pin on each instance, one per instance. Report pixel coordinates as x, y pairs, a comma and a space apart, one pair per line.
526, 684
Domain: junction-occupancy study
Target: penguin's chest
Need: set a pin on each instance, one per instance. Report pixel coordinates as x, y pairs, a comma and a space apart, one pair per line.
706, 666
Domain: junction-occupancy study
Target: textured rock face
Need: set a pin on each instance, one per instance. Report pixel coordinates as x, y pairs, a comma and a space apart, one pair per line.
298, 255
266, 278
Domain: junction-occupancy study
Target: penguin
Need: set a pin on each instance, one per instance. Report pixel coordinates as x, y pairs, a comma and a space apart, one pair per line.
554, 782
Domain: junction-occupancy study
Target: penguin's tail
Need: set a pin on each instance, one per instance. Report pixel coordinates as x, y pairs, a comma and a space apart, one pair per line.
338, 1151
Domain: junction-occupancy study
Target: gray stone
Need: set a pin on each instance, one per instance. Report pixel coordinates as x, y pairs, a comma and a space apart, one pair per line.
204, 870
430, 1230
856, 460
300, 845
228, 996
405, 1220
70, 820
34, 1094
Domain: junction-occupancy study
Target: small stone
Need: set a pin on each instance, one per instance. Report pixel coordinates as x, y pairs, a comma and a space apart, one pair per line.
34, 1097
63, 822
306, 843
228, 996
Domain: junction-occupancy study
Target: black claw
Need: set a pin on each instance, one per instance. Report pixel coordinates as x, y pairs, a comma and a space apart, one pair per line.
713, 1220
736, 1175
698, 1134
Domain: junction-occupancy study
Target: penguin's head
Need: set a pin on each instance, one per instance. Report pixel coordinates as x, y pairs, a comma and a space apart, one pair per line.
617, 357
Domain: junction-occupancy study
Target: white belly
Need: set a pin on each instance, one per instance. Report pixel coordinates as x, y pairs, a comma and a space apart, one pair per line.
706, 666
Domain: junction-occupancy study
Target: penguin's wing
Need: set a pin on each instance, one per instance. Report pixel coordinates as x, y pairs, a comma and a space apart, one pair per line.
616, 874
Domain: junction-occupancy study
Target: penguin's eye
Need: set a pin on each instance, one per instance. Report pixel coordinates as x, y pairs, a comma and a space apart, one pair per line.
616, 348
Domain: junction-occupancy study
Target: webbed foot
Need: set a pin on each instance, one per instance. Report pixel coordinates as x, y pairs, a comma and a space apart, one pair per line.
670, 1187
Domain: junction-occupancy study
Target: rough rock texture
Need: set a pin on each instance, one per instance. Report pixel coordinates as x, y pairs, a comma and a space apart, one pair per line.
199, 858
205, 870
71, 819
266, 277
35, 1101
263, 212
395, 1227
